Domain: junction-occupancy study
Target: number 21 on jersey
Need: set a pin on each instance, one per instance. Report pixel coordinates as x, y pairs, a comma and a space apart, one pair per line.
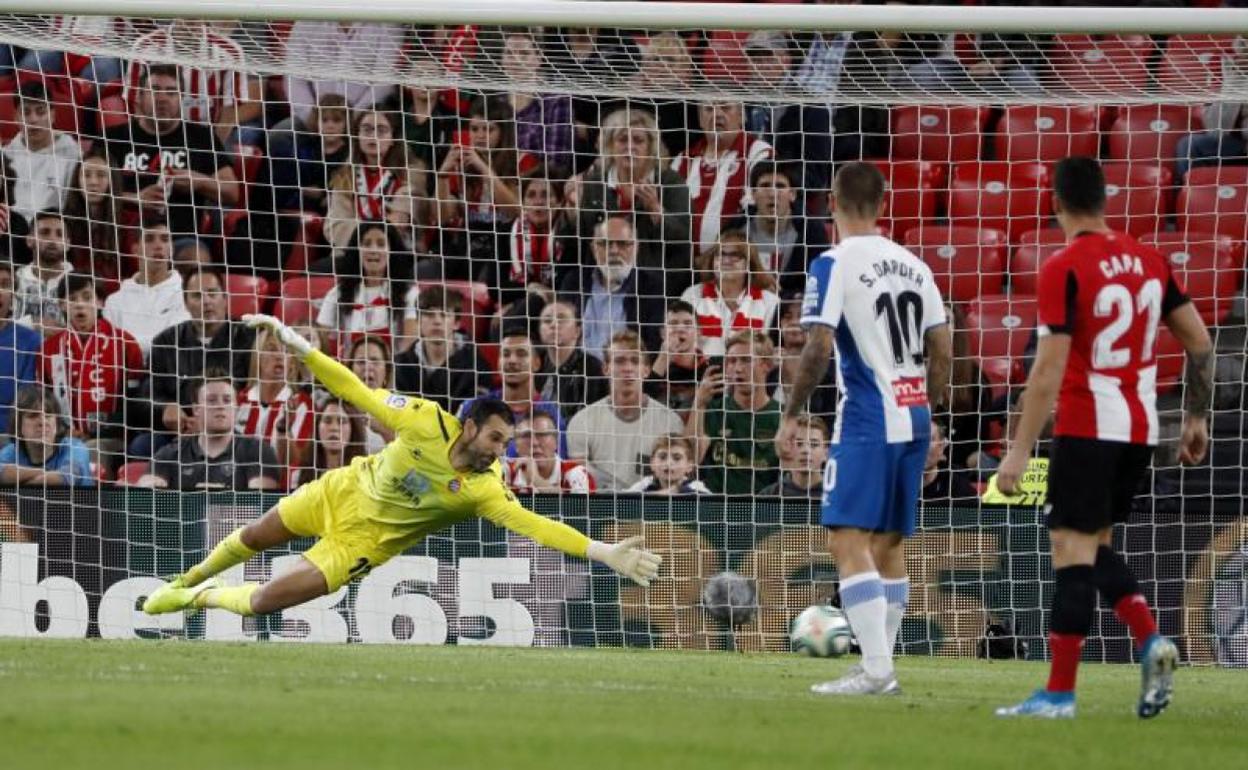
1116, 303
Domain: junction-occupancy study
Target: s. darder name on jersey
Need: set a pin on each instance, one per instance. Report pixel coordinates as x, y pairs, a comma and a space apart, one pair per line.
887, 267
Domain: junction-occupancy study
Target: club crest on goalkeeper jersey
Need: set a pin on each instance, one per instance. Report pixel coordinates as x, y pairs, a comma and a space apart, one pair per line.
880, 300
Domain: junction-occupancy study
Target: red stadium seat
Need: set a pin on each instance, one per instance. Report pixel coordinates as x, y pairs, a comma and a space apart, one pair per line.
938, 134
1193, 63
113, 112
297, 301
1112, 64
128, 474
913, 186
1044, 132
1215, 199
1135, 197
1207, 270
999, 329
724, 57
1034, 248
1011, 197
1223, 244
967, 263
244, 293
1149, 132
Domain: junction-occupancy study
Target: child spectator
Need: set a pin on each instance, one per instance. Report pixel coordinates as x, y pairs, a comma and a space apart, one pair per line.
822, 402
518, 362
269, 408
801, 473
734, 419
787, 240
567, 376
678, 367
440, 365
43, 453
215, 456
717, 169
307, 158
93, 367
19, 351
373, 186
537, 466
41, 159
35, 301
339, 439
374, 293
531, 252
737, 292
369, 357
671, 469
614, 434
92, 220
151, 300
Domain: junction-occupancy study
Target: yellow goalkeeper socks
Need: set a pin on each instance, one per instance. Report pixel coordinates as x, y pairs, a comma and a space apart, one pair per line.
236, 599
228, 552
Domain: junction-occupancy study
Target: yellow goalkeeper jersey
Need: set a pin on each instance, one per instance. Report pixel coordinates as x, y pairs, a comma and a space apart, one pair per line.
411, 484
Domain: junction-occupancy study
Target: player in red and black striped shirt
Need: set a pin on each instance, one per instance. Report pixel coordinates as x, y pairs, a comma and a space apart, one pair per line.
1101, 300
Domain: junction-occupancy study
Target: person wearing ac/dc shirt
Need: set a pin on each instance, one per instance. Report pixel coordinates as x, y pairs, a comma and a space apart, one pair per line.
166, 163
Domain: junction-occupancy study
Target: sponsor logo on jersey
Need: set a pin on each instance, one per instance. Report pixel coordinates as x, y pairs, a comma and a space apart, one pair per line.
396, 401
810, 300
454, 485
910, 391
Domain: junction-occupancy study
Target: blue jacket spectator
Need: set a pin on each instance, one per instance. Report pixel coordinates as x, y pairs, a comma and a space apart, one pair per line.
43, 453
19, 349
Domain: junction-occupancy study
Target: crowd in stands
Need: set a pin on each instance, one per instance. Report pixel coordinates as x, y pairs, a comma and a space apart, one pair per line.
626, 273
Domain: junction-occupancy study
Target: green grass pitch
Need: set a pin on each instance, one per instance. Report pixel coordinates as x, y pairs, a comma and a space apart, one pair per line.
137, 705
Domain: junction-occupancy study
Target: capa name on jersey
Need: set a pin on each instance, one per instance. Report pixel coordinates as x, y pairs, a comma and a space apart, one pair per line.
1116, 266
887, 267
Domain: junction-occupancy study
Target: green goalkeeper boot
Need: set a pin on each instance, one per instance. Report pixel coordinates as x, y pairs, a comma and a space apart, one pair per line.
175, 596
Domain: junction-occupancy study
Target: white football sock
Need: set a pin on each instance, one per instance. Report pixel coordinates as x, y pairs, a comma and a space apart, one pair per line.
862, 597
897, 594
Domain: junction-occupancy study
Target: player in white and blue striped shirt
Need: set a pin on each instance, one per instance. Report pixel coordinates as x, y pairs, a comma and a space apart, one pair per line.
879, 306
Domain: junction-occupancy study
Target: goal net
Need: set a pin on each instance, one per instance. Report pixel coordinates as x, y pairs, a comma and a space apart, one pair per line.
606, 221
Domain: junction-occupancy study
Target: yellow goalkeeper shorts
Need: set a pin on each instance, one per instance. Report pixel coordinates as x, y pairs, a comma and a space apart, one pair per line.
331, 509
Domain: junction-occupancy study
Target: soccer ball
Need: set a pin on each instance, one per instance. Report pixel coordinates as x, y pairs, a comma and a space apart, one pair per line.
821, 631
731, 598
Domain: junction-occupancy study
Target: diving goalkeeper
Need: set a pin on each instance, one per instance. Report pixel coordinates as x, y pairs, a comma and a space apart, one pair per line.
435, 472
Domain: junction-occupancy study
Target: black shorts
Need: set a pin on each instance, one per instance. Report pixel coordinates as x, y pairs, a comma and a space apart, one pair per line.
1092, 482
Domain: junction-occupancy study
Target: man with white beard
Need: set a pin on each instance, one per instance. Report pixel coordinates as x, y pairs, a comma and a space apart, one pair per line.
615, 294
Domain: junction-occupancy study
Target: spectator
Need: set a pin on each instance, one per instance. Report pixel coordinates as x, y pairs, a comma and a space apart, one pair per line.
19, 350
614, 434
88, 32
531, 253
941, 483
206, 340
665, 66
35, 302
543, 122
427, 124
717, 169
567, 376
737, 293
735, 419
41, 159
972, 408
801, 474
537, 466
346, 46
270, 408
167, 163
822, 402
214, 457
671, 469
679, 365
519, 363
13, 229
1225, 120
629, 176
92, 219
615, 294
43, 453
374, 293
221, 95
373, 186
1013, 64
369, 357
151, 300
440, 365
579, 55
339, 440
478, 188
93, 367
787, 240
305, 159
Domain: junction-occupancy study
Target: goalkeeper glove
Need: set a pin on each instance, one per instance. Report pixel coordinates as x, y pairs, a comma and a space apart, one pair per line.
286, 335
627, 558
